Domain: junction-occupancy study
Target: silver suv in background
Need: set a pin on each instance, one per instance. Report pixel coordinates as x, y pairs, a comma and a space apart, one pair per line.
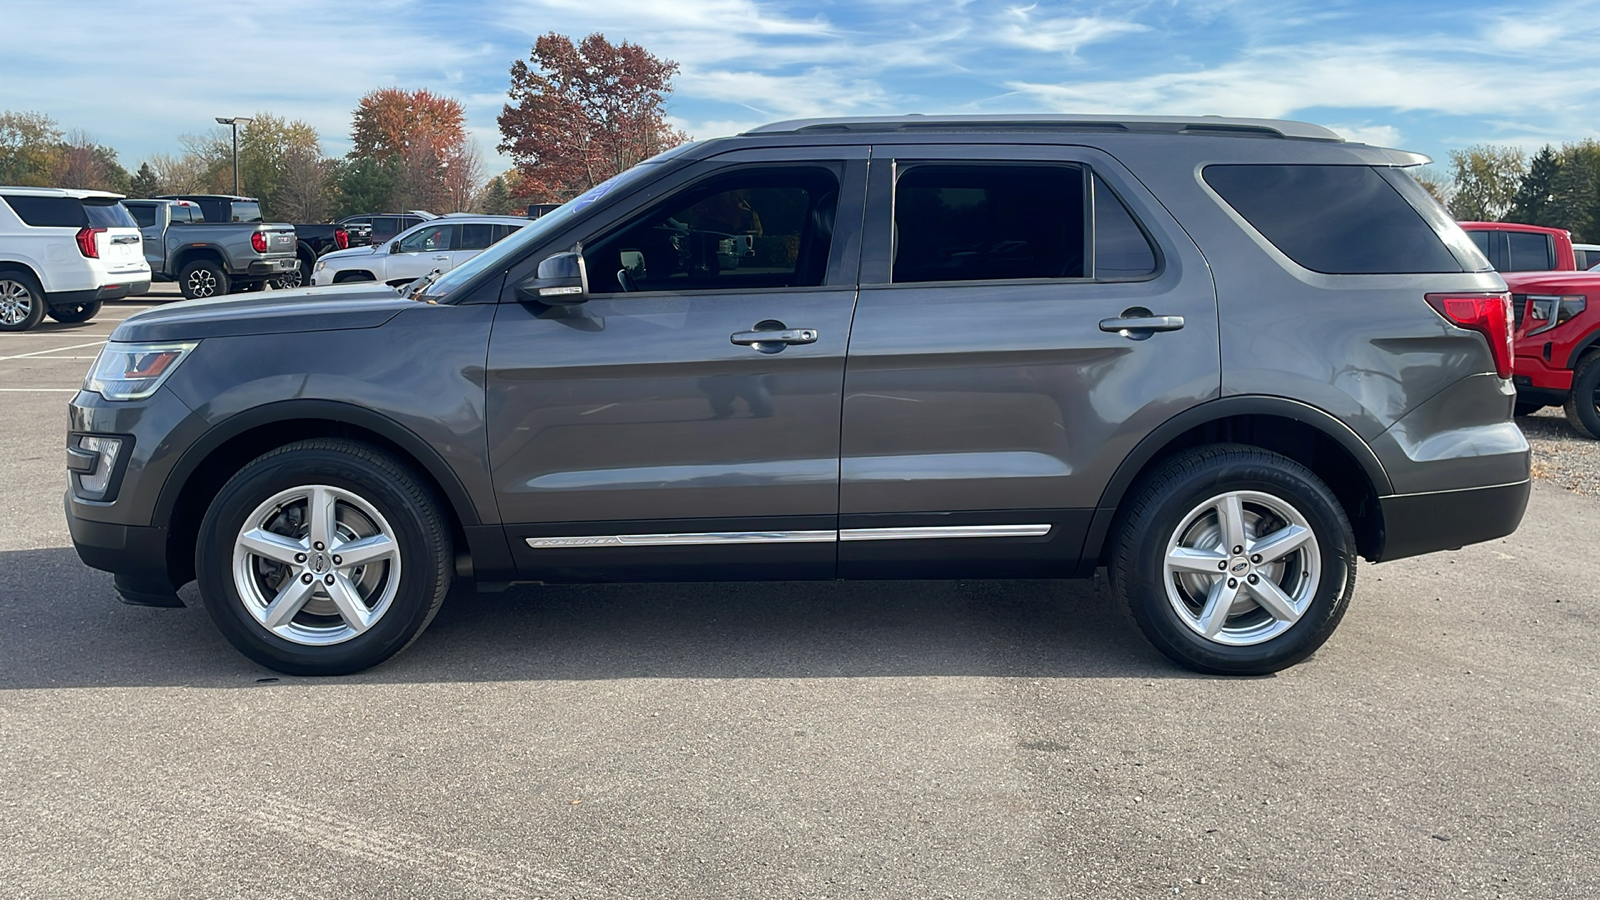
1220, 358
63, 253
435, 246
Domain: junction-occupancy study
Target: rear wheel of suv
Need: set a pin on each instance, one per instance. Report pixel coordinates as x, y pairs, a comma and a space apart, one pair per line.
323, 557
1583, 403
21, 301
74, 313
1235, 561
202, 278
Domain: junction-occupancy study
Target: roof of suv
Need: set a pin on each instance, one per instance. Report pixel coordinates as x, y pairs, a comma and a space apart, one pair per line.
1208, 125
76, 193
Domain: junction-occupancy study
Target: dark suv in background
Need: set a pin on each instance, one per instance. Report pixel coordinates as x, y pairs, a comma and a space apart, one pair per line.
1219, 357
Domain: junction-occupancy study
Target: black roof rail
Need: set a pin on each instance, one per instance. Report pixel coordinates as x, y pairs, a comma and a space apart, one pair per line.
1279, 128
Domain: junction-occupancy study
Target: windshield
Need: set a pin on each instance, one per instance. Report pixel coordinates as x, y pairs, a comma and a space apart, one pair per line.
503, 252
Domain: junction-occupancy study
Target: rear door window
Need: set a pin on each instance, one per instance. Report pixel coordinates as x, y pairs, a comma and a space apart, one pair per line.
1338, 220
1529, 252
144, 215
989, 222
476, 236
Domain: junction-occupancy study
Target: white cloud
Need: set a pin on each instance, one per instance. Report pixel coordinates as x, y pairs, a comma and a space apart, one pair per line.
1368, 133
1066, 33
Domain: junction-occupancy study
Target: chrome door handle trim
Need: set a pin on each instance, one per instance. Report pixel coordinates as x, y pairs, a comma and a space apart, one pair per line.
1142, 323
787, 336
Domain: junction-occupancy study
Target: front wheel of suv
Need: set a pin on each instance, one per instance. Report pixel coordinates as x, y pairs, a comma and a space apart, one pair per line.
1234, 561
22, 302
1583, 403
323, 557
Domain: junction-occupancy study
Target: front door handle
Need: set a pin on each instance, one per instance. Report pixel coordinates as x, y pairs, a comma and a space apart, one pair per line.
787, 336
1140, 323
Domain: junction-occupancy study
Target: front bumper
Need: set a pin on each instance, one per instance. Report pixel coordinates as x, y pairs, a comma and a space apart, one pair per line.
1533, 372
1415, 524
137, 555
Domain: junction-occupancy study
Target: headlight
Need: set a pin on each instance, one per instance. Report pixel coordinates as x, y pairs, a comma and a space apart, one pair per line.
321, 264
1545, 312
134, 371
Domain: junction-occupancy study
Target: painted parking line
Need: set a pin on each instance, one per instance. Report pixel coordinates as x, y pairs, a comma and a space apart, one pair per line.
51, 350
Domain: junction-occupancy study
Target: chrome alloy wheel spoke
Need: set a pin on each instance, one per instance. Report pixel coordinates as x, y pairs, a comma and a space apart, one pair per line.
1242, 568
330, 578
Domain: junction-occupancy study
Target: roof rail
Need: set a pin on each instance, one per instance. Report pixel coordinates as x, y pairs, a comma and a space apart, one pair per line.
1209, 125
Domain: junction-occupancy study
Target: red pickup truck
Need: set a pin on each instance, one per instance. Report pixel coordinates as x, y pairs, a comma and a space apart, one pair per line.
1557, 319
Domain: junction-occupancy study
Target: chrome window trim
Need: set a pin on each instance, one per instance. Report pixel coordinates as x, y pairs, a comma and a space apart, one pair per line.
789, 537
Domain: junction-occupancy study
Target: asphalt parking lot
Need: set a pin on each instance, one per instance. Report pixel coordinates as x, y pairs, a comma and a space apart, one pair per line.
922, 739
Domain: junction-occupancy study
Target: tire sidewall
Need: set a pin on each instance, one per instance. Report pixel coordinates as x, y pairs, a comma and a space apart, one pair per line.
423, 579
1581, 411
1146, 592
221, 277
37, 305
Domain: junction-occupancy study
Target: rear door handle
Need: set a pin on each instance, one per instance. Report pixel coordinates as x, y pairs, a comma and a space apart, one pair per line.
787, 336
1142, 323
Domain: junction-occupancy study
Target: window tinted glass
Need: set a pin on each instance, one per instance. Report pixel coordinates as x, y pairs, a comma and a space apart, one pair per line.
356, 220
504, 231
1529, 252
752, 229
387, 226
144, 215
49, 212
107, 214
963, 223
1120, 249
436, 237
1343, 220
476, 236
1481, 238
246, 211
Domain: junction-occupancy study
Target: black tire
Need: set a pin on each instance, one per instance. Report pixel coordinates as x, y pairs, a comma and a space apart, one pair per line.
1583, 403
416, 526
201, 279
22, 303
1160, 505
76, 313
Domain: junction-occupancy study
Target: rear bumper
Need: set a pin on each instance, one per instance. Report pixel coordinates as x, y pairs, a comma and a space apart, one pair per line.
137, 555
1414, 524
270, 267
114, 291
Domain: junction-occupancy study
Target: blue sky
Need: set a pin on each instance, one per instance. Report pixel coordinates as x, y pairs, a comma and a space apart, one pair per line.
1427, 75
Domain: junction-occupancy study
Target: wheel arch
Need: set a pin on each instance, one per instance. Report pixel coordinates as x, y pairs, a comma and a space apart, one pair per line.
211, 461
190, 254
1304, 433
1585, 346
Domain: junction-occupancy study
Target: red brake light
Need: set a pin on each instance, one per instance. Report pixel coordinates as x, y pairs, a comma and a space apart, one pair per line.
341, 239
1487, 314
87, 245
259, 241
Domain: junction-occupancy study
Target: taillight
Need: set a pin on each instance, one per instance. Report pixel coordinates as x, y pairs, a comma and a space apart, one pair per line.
341, 239
1487, 314
87, 245
259, 241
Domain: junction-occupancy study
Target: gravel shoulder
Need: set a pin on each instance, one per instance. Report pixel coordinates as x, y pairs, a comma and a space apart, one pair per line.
1561, 455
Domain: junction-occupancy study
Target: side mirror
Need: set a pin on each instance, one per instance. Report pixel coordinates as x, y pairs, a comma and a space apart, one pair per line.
394, 247
562, 280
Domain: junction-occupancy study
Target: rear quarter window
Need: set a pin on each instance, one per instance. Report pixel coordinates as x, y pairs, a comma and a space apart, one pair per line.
1338, 220
48, 212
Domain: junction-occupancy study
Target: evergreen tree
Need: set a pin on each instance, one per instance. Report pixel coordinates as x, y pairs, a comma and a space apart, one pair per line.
1531, 205
366, 184
1573, 195
144, 182
495, 198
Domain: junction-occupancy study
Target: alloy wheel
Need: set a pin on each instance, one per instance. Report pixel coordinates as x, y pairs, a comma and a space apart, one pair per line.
16, 302
202, 283
316, 565
1242, 568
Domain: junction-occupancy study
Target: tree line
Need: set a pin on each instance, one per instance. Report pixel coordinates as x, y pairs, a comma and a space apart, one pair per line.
579, 114
1557, 187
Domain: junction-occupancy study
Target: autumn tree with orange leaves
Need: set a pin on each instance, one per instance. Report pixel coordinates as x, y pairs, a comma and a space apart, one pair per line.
583, 113
419, 135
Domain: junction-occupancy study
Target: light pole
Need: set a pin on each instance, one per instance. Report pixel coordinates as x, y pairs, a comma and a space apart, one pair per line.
236, 121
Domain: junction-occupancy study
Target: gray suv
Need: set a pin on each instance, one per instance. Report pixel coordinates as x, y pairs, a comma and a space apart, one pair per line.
1221, 358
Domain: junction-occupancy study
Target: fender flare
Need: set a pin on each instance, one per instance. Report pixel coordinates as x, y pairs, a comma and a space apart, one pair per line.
327, 410
1212, 411
1584, 346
